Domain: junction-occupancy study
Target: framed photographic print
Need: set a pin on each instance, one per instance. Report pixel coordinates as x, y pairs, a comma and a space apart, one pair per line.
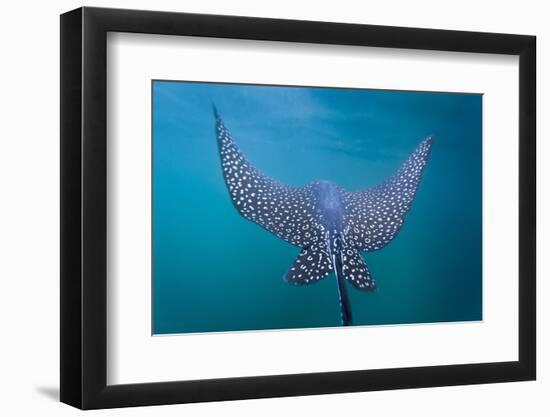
258, 207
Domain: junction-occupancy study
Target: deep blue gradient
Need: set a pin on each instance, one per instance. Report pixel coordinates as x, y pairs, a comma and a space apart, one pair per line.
213, 270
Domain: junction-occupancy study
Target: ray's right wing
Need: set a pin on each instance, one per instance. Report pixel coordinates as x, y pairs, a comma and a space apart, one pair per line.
375, 216
285, 211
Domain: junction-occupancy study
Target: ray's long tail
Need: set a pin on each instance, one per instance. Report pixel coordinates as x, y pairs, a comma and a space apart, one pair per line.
345, 307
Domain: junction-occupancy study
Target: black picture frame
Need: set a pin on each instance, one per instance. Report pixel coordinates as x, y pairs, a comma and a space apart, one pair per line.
84, 207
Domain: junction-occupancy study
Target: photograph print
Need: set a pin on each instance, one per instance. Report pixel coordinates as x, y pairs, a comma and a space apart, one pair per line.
291, 207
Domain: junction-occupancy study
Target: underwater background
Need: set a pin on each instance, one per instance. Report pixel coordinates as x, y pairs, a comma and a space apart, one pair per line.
213, 270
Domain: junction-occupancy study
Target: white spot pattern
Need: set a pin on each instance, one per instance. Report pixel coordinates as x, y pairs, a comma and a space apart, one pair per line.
309, 267
287, 212
375, 216
355, 270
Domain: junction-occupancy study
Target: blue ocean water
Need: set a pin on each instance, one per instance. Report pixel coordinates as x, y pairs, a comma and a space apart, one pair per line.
213, 270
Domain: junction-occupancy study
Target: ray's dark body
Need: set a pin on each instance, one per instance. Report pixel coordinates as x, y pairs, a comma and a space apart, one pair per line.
332, 226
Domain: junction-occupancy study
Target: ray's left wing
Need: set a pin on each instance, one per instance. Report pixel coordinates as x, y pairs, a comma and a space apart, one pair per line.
287, 212
375, 216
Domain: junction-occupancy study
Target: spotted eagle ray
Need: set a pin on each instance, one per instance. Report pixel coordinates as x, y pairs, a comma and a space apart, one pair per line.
330, 225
